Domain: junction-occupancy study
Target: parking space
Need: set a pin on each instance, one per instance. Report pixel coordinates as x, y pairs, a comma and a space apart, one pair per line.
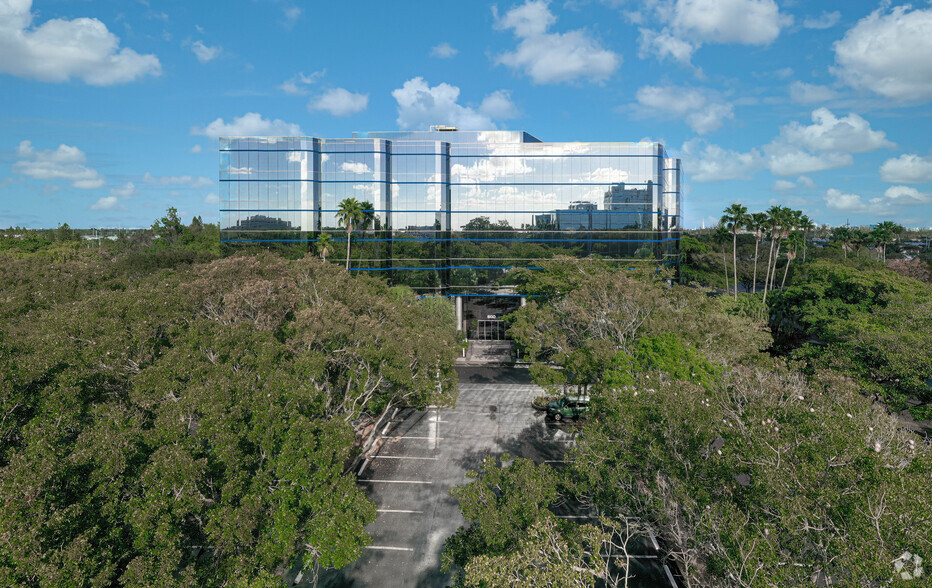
425, 454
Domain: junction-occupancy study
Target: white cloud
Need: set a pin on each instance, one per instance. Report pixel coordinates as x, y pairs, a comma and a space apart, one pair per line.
190, 181
748, 22
710, 163
783, 185
443, 51
59, 49
250, 124
124, 192
292, 13
204, 52
294, 86
420, 105
906, 195
849, 134
108, 203
498, 105
355, 167
702, 110
64, 163
908, 168
824, 21
887, 53
212, 199
196, 149
845, 202
686, 24
803, 93
664, 45
806, 182
552, 58
339, 102
893, 198
786, 160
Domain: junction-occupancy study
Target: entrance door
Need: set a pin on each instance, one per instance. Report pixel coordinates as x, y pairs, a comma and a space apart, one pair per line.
490, 330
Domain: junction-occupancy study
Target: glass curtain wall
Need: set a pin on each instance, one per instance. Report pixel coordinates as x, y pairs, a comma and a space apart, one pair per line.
453, 211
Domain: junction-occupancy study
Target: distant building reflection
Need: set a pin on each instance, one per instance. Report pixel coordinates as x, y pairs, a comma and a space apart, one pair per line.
262, 222
623, 208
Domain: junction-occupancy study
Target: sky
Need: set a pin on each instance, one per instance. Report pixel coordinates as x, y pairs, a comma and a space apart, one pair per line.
110, 110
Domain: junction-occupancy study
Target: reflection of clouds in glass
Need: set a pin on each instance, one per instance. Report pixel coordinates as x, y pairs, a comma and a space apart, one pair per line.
608, 175
355, 167
241, 171
489, 170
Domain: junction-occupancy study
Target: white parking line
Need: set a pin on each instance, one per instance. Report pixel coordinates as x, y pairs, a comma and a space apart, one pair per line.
669, 576
396, 481
388, 548
402, 457
400, 511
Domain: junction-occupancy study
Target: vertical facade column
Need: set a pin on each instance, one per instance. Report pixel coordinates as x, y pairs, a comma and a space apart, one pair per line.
459, 312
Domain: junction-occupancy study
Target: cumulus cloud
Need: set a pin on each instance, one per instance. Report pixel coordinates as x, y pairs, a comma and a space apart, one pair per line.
59, 49
908, 168
339, 102
355, 167
108, 203
824, 21
205, 53
124, 192
783, 185
212, 199
887, 53
687, 24
421, 105
250, 124
803, 93
702, 110
443, 51
196, 149
190, 181
710, 163
786, 160
895, 197
552, 58
849, 134
64, 163
296, 85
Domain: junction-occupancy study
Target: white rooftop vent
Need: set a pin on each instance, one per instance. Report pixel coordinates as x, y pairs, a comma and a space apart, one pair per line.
442, 128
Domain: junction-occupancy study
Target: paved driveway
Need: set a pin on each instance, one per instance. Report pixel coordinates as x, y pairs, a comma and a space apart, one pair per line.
428, 452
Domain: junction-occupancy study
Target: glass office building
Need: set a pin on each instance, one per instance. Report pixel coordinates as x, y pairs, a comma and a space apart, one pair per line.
452, 211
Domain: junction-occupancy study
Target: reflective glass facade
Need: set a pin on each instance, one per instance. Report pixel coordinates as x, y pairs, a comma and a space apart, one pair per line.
453, 210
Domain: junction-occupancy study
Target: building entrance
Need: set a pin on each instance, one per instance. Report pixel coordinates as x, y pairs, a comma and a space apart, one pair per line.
483, 316
490, 330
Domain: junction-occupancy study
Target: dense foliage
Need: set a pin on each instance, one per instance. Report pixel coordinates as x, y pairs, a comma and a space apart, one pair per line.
750, 472
868, 322
173, 422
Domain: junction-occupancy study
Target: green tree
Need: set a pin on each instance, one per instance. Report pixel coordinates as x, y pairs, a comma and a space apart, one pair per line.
350, 214
324, 245
734, 219
844, 236
883, 234
756, 222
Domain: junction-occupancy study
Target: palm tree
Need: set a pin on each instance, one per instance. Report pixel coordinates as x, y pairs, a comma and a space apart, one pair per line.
806, 224
842, 234
858, 238
368, 216
883, 234
720, 235
756, 223
795, 240
789, 220
324, 245
349, 214
773, 226
735, 218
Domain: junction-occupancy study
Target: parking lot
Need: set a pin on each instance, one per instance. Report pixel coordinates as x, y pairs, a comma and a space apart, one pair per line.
426, 453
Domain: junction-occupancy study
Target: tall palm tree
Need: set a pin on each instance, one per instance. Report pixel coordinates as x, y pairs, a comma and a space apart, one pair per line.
858, 238
324, 245
349, 214
806, 224
885, 233
735, 218
789, 220
756, 223
773, 227
795, 241
368, 216
720, 235
842, 234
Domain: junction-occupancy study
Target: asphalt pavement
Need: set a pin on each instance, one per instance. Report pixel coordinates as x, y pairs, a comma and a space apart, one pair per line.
424, 454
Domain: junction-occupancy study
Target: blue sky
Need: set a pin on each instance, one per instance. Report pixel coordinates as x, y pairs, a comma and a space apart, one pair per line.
110, 110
